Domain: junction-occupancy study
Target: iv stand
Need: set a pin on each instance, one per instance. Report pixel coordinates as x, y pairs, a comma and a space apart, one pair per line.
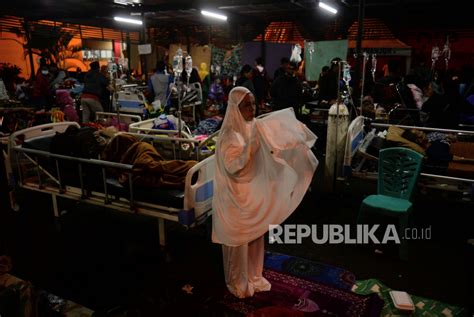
179, 87
338, 100
364, 64
113, 75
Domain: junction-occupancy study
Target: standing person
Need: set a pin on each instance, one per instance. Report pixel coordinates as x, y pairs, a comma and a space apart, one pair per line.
79, 75
260, 83
245, 79
284, 64
94, 83
287, 90
159, 83
41, 96
391, 73
57, 76
328, 85
323, 74
105, 96
249, 194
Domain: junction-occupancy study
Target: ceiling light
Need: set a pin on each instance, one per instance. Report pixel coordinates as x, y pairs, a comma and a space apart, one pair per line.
127, 20
214, 15
327, 7
127, 2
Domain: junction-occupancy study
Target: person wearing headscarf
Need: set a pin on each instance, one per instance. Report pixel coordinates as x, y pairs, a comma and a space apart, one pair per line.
259, 181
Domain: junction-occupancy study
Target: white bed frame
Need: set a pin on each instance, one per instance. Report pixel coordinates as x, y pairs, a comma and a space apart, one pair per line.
124, 118
186, 142
358, 145
197, 205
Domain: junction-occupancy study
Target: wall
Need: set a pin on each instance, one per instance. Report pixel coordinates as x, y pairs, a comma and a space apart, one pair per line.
273, 54
11, 51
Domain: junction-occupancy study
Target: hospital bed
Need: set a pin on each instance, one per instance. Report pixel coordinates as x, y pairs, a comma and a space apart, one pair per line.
190, 98
185, 146
129, 99
111, 118
35, 168
357, 158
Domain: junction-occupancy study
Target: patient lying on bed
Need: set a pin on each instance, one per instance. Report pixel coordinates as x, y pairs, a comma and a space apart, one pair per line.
149, 167
444, 155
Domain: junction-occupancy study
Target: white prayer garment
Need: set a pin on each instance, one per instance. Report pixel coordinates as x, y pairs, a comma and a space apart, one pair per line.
263, 170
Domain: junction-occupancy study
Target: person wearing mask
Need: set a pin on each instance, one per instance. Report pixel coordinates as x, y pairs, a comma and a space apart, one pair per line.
41, 96
287, 90
94, 83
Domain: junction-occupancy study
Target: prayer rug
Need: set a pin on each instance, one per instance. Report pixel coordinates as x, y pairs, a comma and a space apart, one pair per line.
293, 296
310, 270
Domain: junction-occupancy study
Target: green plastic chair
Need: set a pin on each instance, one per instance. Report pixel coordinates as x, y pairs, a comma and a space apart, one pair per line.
399, 169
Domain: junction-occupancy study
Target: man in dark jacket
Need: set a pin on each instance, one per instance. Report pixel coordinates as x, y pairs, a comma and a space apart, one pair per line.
287, 90
94, 83
328, 85
284, 64
260, 83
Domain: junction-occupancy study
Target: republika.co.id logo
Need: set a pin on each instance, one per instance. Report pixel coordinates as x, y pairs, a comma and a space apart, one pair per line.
343, 234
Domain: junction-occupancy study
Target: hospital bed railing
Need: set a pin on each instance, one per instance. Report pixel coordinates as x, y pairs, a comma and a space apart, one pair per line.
31, 173
127, 119
441, 181
187, 145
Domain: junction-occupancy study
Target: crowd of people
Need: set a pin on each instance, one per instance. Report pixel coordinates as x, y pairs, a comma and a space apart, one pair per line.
440, 99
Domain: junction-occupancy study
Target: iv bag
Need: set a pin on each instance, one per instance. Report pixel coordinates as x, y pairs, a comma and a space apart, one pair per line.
296, 54
188, 65
178, 62
346, 73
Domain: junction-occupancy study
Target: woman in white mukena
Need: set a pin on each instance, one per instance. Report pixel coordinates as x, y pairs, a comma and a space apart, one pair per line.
263, 169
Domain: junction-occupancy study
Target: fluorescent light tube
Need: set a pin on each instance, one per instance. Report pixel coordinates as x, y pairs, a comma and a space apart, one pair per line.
214, 15
327, 7
127, 20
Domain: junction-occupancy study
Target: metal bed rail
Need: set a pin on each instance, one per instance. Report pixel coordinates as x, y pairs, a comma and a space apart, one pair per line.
386, 125
428, 175
188, 145
129, 118
80, 162
92, 196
